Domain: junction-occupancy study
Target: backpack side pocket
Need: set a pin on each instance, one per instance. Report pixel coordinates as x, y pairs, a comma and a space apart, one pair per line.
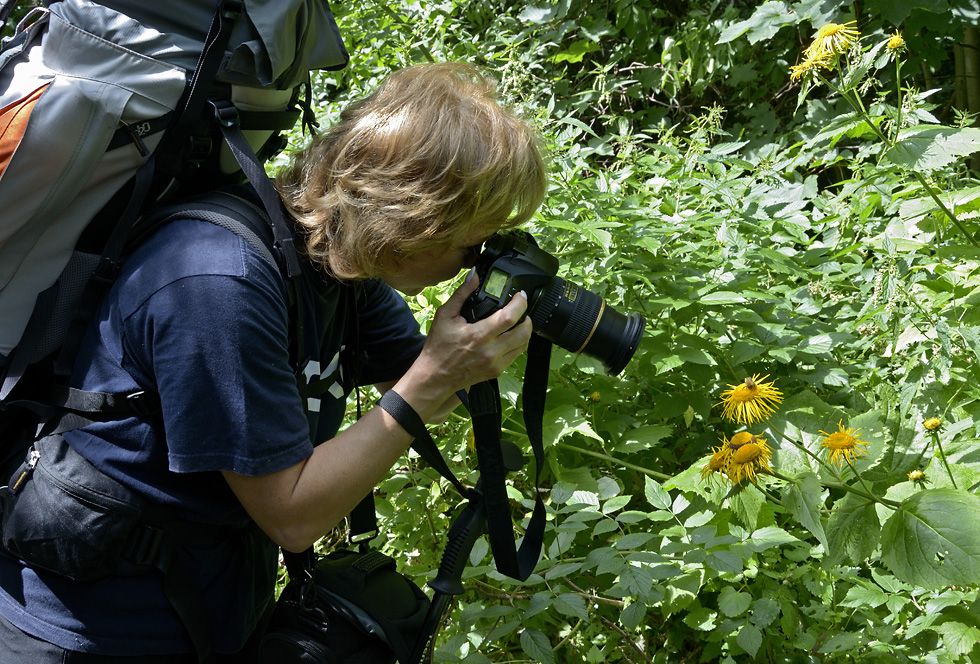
64, 515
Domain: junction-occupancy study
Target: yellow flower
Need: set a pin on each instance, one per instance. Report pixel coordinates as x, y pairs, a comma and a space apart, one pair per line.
717, 462
751, 401
810, 65
842, 445
749, 454
832, 39
895, 42
595, 397
917, 476
932, 423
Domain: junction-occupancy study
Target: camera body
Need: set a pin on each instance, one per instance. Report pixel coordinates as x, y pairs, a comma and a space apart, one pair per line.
562, 312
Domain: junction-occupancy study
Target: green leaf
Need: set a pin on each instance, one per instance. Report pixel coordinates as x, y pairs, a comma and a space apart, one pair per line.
853, 530
722, 297
766, 538
537, 646
575, 122
764, 23
929, 148
802, 497
750, 639
572, 605
633, 541
656, 495
933, 540
960, 631
633, 615
578, 50
732, 602
860, 596
843, 642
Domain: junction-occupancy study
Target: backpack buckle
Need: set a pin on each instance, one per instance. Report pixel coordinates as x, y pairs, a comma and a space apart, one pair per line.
224, 112
142, 403
145, 546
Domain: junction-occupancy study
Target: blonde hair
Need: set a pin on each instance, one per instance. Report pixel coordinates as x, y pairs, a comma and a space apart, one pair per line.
428, 158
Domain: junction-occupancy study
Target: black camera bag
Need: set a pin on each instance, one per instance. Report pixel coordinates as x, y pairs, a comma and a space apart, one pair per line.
349, 608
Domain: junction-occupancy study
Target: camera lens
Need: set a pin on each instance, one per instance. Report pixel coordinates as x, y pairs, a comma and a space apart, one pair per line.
581, 322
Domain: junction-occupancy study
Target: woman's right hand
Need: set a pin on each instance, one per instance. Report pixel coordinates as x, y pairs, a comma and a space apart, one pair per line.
458, 354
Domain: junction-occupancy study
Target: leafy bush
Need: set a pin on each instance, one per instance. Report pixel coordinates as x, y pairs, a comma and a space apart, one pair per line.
816, 237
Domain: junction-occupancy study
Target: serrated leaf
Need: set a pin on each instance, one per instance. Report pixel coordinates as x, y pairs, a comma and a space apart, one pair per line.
763, 24
538, 14
636, 580
929, 148
604, 526
732, 602
722, 297
843, 642
766, 538
561, 570
764, 612
933, 540
633, 615
750, 639
633, 541
853, 529
537, 646
572, 605
858, 596
656, 495
802, 497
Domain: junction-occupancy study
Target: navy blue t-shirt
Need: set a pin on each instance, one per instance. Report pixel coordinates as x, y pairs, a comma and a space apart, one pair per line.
199, 317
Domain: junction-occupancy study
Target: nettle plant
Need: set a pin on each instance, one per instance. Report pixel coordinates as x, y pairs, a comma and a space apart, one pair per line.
786, 470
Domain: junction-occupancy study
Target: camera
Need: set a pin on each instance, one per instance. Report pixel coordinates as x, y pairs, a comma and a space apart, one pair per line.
566, 314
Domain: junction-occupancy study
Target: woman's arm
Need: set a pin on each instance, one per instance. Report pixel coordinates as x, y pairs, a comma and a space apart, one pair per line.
297, 505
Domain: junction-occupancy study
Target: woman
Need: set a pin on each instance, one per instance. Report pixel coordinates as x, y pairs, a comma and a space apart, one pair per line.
399, 195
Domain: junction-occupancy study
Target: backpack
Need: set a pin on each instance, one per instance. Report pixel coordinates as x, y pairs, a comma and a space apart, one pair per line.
131, 104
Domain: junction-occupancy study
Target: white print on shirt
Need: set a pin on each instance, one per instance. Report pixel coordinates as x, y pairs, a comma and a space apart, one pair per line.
334, 371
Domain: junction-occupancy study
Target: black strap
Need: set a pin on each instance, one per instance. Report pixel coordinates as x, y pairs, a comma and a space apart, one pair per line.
485, 409
409, 420
228, 120
107, 269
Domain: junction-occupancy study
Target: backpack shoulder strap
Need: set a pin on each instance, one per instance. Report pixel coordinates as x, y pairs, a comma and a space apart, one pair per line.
224, 209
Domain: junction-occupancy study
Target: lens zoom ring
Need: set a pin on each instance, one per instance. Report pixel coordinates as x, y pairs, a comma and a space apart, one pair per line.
582, 321
545, 305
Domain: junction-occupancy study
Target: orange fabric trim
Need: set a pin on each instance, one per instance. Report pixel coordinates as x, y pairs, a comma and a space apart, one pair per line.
13, 124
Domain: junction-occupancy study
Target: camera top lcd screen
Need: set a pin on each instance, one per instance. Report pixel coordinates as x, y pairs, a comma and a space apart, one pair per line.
496, 284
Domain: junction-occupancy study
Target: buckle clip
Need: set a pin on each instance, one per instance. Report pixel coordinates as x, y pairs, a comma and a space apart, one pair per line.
225, 112
142, 403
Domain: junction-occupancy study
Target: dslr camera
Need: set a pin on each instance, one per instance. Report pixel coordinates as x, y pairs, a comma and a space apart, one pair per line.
566, 314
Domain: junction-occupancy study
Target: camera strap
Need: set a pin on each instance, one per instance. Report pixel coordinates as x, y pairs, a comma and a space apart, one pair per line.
484, 404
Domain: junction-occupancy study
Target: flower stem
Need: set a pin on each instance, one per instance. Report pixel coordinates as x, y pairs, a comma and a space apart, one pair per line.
858, 476
619, 462
843, 487
942, 455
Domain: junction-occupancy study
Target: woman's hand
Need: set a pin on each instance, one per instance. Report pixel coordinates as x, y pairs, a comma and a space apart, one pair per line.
458, 354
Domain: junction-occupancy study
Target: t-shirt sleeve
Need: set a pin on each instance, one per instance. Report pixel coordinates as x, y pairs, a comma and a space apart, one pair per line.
217, 345
389, 338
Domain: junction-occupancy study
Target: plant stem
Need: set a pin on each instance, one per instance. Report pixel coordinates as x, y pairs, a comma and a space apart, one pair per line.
844, 487
898, 85
625, 464
858, 476
942, 455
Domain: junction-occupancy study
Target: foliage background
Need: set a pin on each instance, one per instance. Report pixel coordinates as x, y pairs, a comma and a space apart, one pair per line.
759, 233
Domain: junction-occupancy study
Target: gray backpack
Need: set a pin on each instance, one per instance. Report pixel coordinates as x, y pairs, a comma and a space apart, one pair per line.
109, 109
